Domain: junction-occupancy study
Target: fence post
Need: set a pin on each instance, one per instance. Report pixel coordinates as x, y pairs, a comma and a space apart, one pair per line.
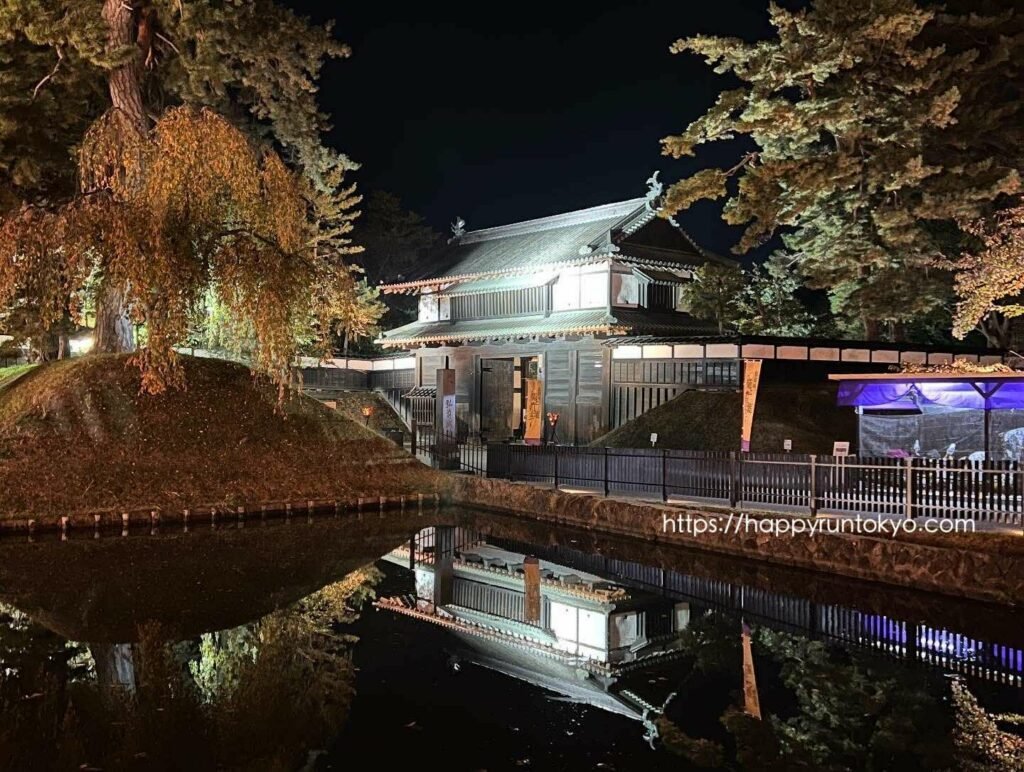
607, 486
412, 436
733, 480
814, 485
555, 448
664, 475
908, 501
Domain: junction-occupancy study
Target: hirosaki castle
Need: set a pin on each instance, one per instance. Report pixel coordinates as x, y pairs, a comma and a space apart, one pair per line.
589, 304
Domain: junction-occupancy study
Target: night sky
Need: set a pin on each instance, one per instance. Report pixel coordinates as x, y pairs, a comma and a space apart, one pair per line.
503, 112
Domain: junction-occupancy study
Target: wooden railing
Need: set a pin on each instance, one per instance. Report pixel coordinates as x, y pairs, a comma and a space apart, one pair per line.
906, 487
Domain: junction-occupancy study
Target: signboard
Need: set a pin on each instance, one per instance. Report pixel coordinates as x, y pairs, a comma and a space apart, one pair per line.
654, 439
534, 411
751, 378
787, 445
445, 420
840, 448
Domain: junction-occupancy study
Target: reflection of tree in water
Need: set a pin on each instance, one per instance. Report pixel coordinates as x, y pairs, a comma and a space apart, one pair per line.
261, 696
826, 708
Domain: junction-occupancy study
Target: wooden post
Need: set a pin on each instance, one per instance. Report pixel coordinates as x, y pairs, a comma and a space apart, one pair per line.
445, 424
531, 589
444, 569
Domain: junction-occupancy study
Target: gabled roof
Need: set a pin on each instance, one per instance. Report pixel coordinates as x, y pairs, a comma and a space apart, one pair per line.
574, 238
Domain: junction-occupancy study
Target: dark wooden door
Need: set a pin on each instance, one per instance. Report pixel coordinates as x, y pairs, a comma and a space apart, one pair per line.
496, 387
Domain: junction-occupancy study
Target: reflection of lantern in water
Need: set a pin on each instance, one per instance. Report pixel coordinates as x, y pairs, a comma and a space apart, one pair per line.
367, 412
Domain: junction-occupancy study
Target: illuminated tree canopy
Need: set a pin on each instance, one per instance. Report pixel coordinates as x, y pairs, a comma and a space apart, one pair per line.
874, 130
154, 152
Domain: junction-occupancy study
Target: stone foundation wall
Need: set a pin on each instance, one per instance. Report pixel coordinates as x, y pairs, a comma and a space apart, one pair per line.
969, 573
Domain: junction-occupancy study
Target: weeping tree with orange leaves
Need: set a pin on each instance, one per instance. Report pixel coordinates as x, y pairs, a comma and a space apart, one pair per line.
195, 165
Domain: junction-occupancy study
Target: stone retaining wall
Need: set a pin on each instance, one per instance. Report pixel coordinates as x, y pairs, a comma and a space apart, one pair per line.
205, 515
966, 573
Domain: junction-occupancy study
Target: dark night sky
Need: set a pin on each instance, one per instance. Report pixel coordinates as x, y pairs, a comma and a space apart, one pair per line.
503, 112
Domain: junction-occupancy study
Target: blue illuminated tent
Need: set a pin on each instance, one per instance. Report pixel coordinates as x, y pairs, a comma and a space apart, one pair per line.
946, 393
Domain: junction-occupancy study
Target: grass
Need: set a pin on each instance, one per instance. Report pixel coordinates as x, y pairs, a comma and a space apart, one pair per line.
12, 373
710, 420
77, 436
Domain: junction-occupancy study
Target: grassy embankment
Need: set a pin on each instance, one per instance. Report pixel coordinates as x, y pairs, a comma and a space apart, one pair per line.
383, 418
710, 420
77, 436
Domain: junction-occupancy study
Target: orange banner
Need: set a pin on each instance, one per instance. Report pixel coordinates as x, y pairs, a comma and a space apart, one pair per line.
751, 699
751, 378
534, 411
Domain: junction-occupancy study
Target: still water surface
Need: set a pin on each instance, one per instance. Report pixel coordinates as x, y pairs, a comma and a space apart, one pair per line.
409, 639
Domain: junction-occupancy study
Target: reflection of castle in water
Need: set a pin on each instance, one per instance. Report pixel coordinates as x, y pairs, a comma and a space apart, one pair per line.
655, 603
580, 636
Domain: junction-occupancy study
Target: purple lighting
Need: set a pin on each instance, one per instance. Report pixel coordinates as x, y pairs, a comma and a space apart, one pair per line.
906, 395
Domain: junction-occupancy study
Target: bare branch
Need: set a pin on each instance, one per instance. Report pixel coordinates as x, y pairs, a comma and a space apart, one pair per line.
44, 81
164, 38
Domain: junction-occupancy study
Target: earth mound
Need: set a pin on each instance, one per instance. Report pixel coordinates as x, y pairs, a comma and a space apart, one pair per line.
78, 436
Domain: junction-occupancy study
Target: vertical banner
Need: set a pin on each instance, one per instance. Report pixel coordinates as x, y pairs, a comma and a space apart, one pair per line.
534, 412
751, 699
751, 378
445, 424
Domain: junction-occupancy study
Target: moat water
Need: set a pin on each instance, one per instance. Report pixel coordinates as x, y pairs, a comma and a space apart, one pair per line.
407, 639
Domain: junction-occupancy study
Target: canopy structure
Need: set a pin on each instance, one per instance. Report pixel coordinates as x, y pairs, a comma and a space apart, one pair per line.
927, 392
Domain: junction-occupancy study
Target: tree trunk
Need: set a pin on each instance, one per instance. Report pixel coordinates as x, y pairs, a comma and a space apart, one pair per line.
125, 82
114, 332
996, 329
115, 666
871, 329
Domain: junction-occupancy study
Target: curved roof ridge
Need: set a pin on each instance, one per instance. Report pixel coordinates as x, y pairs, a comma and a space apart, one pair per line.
576, 217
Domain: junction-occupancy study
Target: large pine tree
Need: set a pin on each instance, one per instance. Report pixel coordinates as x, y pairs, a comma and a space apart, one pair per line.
878, 128
106, 109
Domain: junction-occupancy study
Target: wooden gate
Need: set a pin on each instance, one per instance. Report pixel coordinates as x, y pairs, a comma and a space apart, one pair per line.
496, 404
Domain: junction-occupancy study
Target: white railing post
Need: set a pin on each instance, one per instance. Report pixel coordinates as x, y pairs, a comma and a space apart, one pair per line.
814, 485
908, 500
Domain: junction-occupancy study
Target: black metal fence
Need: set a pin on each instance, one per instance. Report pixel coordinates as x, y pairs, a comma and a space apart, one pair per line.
908, 487
458, 454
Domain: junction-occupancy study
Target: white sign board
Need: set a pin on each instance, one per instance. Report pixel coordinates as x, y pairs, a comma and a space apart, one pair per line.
840, 448
654, 439
787, 445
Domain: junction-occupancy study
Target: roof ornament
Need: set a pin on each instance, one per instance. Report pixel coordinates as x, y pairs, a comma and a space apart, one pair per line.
458, 229
654, 191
